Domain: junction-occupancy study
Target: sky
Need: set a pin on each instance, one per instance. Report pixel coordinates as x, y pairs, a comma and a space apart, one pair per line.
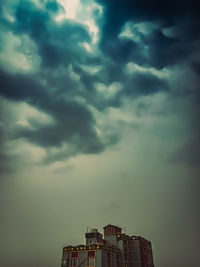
99, 124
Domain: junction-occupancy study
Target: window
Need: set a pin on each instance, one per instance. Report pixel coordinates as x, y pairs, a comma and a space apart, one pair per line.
74, 262
91, 258
65, 263
90, 261
74, 259
74, 255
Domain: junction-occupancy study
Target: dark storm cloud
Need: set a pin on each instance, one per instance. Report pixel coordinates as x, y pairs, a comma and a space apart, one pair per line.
163, 50
58, 44
52, 90
73, 122
136, 85
145, 84
20, 87
122, 51
118, 12
178, 46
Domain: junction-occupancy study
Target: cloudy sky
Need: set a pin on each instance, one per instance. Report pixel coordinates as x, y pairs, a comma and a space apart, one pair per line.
99, 123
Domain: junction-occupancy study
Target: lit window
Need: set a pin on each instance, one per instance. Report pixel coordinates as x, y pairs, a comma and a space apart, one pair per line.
65, 263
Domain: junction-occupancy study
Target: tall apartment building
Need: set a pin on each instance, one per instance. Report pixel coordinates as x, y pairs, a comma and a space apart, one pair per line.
112, 249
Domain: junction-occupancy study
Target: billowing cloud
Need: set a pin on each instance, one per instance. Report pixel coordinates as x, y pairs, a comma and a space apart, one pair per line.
46, 64
65, 64
37, 58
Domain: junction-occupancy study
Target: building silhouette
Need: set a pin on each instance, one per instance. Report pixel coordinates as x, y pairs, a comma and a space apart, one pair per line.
112, 249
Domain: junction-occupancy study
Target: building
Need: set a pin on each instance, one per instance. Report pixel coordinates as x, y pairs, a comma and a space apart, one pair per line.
112, 249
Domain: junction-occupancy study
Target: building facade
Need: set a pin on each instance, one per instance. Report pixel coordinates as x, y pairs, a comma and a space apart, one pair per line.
112, 249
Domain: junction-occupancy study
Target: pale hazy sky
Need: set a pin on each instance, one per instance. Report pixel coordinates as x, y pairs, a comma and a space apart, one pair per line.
99, 124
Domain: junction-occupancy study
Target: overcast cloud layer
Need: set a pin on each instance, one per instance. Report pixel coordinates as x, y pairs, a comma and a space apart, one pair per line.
99, 101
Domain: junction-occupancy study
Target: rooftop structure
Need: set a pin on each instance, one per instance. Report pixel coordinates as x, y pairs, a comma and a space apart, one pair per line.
113, 249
